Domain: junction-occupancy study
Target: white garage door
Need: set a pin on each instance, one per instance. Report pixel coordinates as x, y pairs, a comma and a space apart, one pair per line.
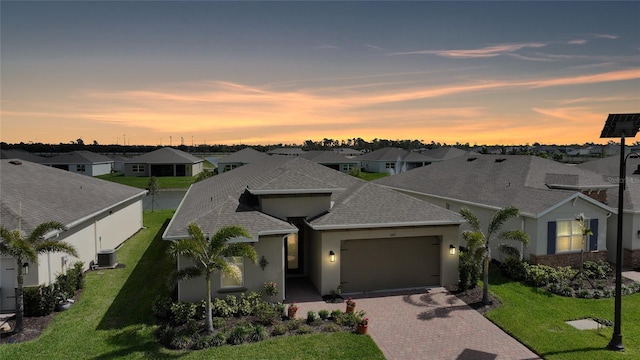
395, 263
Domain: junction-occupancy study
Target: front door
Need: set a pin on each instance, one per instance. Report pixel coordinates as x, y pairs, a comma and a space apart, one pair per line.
294, 249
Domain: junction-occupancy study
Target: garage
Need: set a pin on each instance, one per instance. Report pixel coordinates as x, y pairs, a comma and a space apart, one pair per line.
391, 263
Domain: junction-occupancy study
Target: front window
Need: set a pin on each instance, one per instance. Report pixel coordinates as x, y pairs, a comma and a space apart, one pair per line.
237, 263
390, 165
569, 236
137, 168
80, 168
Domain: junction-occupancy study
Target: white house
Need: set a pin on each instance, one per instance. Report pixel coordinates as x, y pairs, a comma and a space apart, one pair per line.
99, 216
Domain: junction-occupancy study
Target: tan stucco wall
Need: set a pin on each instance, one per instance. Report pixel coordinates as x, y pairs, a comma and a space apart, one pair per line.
271, 247
329, 278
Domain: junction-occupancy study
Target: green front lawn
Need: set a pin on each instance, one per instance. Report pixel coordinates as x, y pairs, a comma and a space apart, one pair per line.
142, 182
113, 318
372, 176
537, 318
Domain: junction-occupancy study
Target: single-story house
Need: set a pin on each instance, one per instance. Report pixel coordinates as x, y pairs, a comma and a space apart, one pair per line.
165, 161
308, 220
609, 168
242, 157
81, 162
392, 160
286, 151
549, 195
20, 155
331, 160
445, 153
99, 216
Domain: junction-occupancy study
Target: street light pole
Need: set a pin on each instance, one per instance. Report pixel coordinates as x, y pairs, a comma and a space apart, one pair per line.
616, 338
620, 125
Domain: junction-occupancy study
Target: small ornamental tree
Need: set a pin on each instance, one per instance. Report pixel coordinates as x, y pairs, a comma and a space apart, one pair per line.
211, 256
493, 230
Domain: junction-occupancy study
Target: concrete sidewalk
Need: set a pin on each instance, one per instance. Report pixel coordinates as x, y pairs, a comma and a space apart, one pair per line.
432, 324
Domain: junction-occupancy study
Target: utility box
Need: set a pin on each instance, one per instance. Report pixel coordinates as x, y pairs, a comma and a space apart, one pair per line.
107, 258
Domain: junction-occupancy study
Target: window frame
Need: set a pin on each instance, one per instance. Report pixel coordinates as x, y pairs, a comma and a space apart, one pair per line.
81, 168
575, 232
239, 262
137, 168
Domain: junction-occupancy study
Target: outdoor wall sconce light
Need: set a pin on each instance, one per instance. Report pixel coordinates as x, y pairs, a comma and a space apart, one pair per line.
638, 234
332, 256
263, 262
452, 250
25, 269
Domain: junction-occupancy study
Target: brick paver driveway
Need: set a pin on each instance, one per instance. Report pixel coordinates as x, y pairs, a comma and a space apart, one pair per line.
431, 325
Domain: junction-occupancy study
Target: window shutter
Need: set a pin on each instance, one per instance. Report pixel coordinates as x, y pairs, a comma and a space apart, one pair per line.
551, 237
593, 240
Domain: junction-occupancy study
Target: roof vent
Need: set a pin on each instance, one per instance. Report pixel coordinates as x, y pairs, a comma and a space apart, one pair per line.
500, 160
471, 158
15, 162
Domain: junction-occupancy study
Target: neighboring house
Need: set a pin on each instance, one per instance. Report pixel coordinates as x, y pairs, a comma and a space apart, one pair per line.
308, 220
21, 155
286, 151
445, 153
609, 168
392, 160
118, 163
81, 162
165, 161
239, 158
331, 160
348, 152
99, 215
548, 194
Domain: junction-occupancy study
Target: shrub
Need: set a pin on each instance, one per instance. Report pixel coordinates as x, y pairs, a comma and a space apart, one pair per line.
258, 333
219, 323
335, 314
514, 268
469, 270
312, 317
221, 308
348, 319
596, 270
161, 309
295, 324
267, 313
66, 285
323, 314
182, 312
180, 342
233, 304
278, 330
39, 300
304, 329
76, 275
331, 327
239, 334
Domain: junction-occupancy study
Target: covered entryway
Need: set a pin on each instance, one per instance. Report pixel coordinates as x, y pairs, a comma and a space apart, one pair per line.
392, 263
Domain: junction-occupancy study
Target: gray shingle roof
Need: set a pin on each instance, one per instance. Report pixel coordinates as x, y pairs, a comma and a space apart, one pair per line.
223, 200
393, 154
78, 157
286, 151
165, 155
327, 157
43, 193
244, 156
519, 181
445, 153
19, 154
609, 169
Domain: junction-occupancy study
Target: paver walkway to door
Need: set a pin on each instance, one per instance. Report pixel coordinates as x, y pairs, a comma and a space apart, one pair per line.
433, 324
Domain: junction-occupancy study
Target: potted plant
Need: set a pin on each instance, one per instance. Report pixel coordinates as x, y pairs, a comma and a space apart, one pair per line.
362, 326
351, 305
292, 310
62, 301
271, 288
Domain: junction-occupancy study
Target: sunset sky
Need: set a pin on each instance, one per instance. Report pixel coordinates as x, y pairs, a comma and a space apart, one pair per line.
155, 72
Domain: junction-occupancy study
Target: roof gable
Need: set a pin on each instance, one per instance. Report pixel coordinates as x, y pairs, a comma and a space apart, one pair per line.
165, 155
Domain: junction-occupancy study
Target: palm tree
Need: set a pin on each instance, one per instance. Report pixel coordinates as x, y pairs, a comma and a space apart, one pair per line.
211, 256
495, 224
13, 244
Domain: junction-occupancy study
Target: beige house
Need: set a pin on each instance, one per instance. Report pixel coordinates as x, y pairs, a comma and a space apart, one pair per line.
549, 195
309, 221
99, 216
